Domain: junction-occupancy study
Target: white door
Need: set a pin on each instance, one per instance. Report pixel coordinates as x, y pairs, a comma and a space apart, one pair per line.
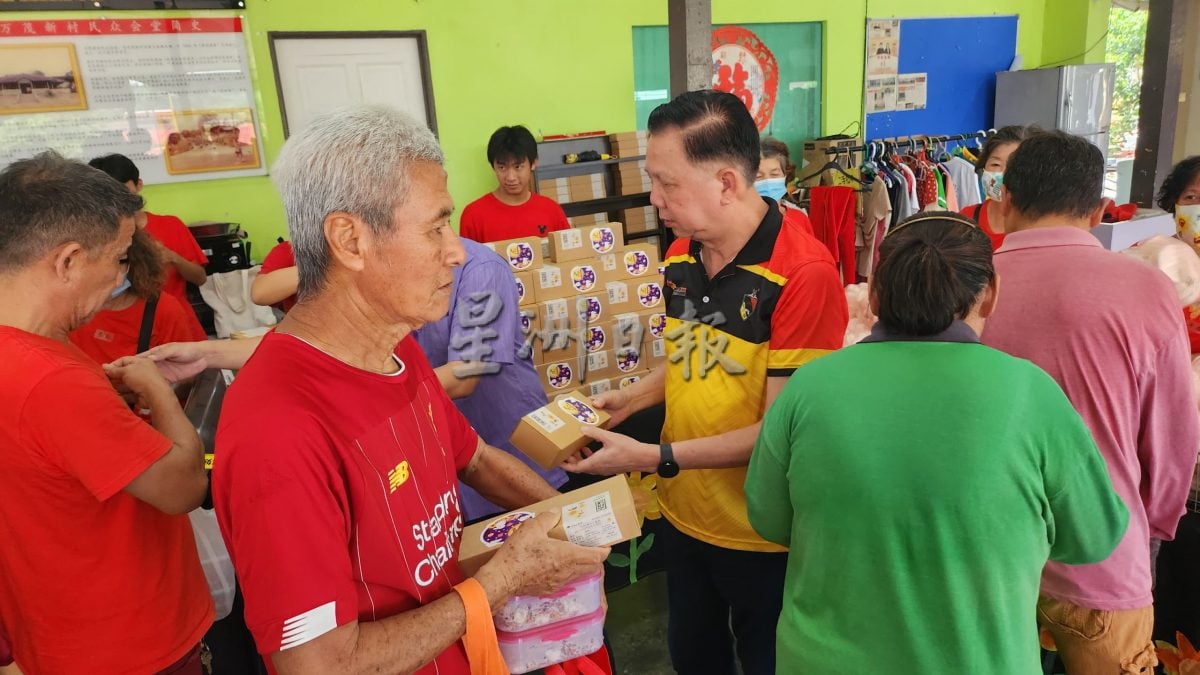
319, 74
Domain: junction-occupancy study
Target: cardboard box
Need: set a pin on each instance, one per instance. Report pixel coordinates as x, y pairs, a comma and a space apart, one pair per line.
550, 282
584, 276
584, 188
815, 157
531, 325
640, 261
545, 248
526, 288
626, 381
608, 262
654, 325
522, 254
600, 514
586, 242
620, 296
555, 188
589, 220
647, 294
596, 387
628, 144
598, 366
573, 311
640, 220
1146, 223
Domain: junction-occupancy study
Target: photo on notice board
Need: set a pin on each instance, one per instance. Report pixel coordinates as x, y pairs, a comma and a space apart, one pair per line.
208, 140
881, 94
883, 47
38, 78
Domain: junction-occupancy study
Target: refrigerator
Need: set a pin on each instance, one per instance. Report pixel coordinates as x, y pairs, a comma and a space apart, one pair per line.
1075, 99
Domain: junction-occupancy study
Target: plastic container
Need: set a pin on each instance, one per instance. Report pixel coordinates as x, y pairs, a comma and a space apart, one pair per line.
526, 612
533, 649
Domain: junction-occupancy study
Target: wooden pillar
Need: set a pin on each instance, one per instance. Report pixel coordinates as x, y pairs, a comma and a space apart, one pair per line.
689, 23
1159, 110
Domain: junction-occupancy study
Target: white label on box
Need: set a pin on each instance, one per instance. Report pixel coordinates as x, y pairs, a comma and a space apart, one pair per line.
549, 277
569, 239
591, 522
546, 247
597, 361
608, 262
599, 387
556, 310
659, 349
549, 423
618, 292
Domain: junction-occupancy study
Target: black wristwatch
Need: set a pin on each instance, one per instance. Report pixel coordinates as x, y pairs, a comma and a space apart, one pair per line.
667, 468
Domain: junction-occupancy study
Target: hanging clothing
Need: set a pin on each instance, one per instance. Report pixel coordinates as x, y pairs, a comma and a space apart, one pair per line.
876, 213
966, 181
832, 215
951, 190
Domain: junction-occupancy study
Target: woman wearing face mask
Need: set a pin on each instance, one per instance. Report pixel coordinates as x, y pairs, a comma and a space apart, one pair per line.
992, 161
138, 315
1180, 194
774, 171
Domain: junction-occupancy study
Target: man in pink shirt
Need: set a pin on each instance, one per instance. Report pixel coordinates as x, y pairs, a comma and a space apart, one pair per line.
1107, 329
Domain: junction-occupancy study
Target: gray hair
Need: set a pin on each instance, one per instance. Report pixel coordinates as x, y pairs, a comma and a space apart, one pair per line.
354, 160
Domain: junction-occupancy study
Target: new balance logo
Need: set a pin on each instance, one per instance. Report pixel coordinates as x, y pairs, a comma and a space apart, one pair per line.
398, 476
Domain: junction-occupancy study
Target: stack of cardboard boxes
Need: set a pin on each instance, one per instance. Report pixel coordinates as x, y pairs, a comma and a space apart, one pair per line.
592, 308
576, 189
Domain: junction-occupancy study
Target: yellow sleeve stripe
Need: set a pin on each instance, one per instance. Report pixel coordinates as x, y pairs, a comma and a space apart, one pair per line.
685, 258
765, 273
794, 358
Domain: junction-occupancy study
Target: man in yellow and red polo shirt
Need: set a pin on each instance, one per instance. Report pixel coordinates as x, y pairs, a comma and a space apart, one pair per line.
749, 300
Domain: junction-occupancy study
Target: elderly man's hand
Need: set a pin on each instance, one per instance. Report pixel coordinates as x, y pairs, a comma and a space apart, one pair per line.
618, 454
138, 375
533, 563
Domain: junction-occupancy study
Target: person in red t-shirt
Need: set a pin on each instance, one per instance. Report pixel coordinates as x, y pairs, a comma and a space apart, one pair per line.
99, 570
335, 482
774, 171
993, 159
512, 210
181, 255
116, 330
277, 279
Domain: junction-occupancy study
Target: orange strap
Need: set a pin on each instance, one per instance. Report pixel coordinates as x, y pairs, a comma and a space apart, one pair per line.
483, 650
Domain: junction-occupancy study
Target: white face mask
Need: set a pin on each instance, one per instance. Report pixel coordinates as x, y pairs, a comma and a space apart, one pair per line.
992, 180
125, 285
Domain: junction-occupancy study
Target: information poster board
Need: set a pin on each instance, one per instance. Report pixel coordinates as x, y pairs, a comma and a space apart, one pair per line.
174, 95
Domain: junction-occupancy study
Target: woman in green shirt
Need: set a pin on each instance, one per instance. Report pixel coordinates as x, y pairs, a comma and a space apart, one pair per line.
921, 480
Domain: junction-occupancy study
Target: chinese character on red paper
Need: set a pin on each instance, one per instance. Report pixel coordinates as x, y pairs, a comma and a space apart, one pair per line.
28, 28
196, 26
49, 27
93, 27
156, 26
176, 26
72, 27
733, 80
135, 26
114, 27
5, 29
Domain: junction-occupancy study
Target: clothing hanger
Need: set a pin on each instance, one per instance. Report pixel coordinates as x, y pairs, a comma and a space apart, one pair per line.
833, 165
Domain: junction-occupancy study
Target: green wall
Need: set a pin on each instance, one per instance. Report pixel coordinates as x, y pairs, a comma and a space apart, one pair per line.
556, 66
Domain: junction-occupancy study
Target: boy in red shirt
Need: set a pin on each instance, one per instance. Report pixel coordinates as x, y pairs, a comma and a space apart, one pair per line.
512, 210
183, 259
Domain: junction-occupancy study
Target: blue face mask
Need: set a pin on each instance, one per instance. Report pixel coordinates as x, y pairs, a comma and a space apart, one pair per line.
775, 188
125, 285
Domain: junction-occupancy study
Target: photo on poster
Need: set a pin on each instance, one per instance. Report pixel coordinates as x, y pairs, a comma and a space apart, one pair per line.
197, 141
881, 94
883, 48
40, 78
912, 91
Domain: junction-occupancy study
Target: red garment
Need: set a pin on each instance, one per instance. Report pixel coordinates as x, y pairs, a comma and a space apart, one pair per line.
172, 233
279, 258
113, 334
1118, 214
335, 489
489, 219
797, 217
979, 213
832, 212
1191, 318
91, 578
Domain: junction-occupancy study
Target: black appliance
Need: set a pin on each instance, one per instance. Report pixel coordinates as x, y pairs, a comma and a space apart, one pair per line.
227, 250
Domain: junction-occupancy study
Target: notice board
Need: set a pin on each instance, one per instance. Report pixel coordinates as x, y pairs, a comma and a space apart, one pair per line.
174, 95
960, 57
